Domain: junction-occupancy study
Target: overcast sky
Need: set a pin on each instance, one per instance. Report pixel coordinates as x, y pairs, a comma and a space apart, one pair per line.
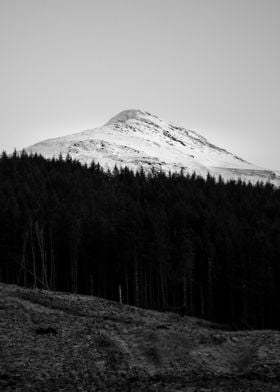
210, 65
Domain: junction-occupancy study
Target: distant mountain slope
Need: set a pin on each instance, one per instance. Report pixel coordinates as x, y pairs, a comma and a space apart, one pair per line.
53, 341
138, 139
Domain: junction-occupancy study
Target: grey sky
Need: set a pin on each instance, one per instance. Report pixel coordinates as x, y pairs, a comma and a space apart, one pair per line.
209, 65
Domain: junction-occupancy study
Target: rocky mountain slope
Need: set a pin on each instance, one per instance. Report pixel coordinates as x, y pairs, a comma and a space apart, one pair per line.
52, 341
138, 139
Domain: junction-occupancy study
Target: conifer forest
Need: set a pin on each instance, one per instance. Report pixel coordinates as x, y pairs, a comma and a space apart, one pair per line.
171, 242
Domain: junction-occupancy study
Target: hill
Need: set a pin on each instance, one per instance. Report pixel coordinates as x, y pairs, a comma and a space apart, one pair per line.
53, 341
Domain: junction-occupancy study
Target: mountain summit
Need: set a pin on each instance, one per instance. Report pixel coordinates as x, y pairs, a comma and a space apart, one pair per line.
131, 114
136, 139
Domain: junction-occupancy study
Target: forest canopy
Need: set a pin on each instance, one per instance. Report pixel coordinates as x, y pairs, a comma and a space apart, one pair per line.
172, 242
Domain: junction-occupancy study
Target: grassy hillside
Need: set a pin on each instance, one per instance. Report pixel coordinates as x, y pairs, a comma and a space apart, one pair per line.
53, 341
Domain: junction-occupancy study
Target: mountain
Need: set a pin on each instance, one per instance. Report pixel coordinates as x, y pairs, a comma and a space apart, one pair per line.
136, 139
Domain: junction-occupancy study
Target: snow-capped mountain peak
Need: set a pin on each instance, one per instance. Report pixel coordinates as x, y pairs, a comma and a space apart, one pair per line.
125, 115
139, 139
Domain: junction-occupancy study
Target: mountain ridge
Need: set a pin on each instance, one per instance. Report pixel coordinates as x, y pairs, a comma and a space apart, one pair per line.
138, 139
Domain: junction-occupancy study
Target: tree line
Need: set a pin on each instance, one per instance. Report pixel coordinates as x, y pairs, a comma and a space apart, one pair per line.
169, 241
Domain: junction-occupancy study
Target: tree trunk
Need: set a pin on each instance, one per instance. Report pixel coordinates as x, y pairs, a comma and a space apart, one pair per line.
191, 290
120, 294
162, 289
202, 300
33, 254
126, 284
91, 284
136, 279
184, 289
40, 237
210, 288
74, 269
23, 259
52, 273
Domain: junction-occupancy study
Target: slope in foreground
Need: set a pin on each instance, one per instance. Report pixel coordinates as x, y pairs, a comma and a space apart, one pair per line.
53, 341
